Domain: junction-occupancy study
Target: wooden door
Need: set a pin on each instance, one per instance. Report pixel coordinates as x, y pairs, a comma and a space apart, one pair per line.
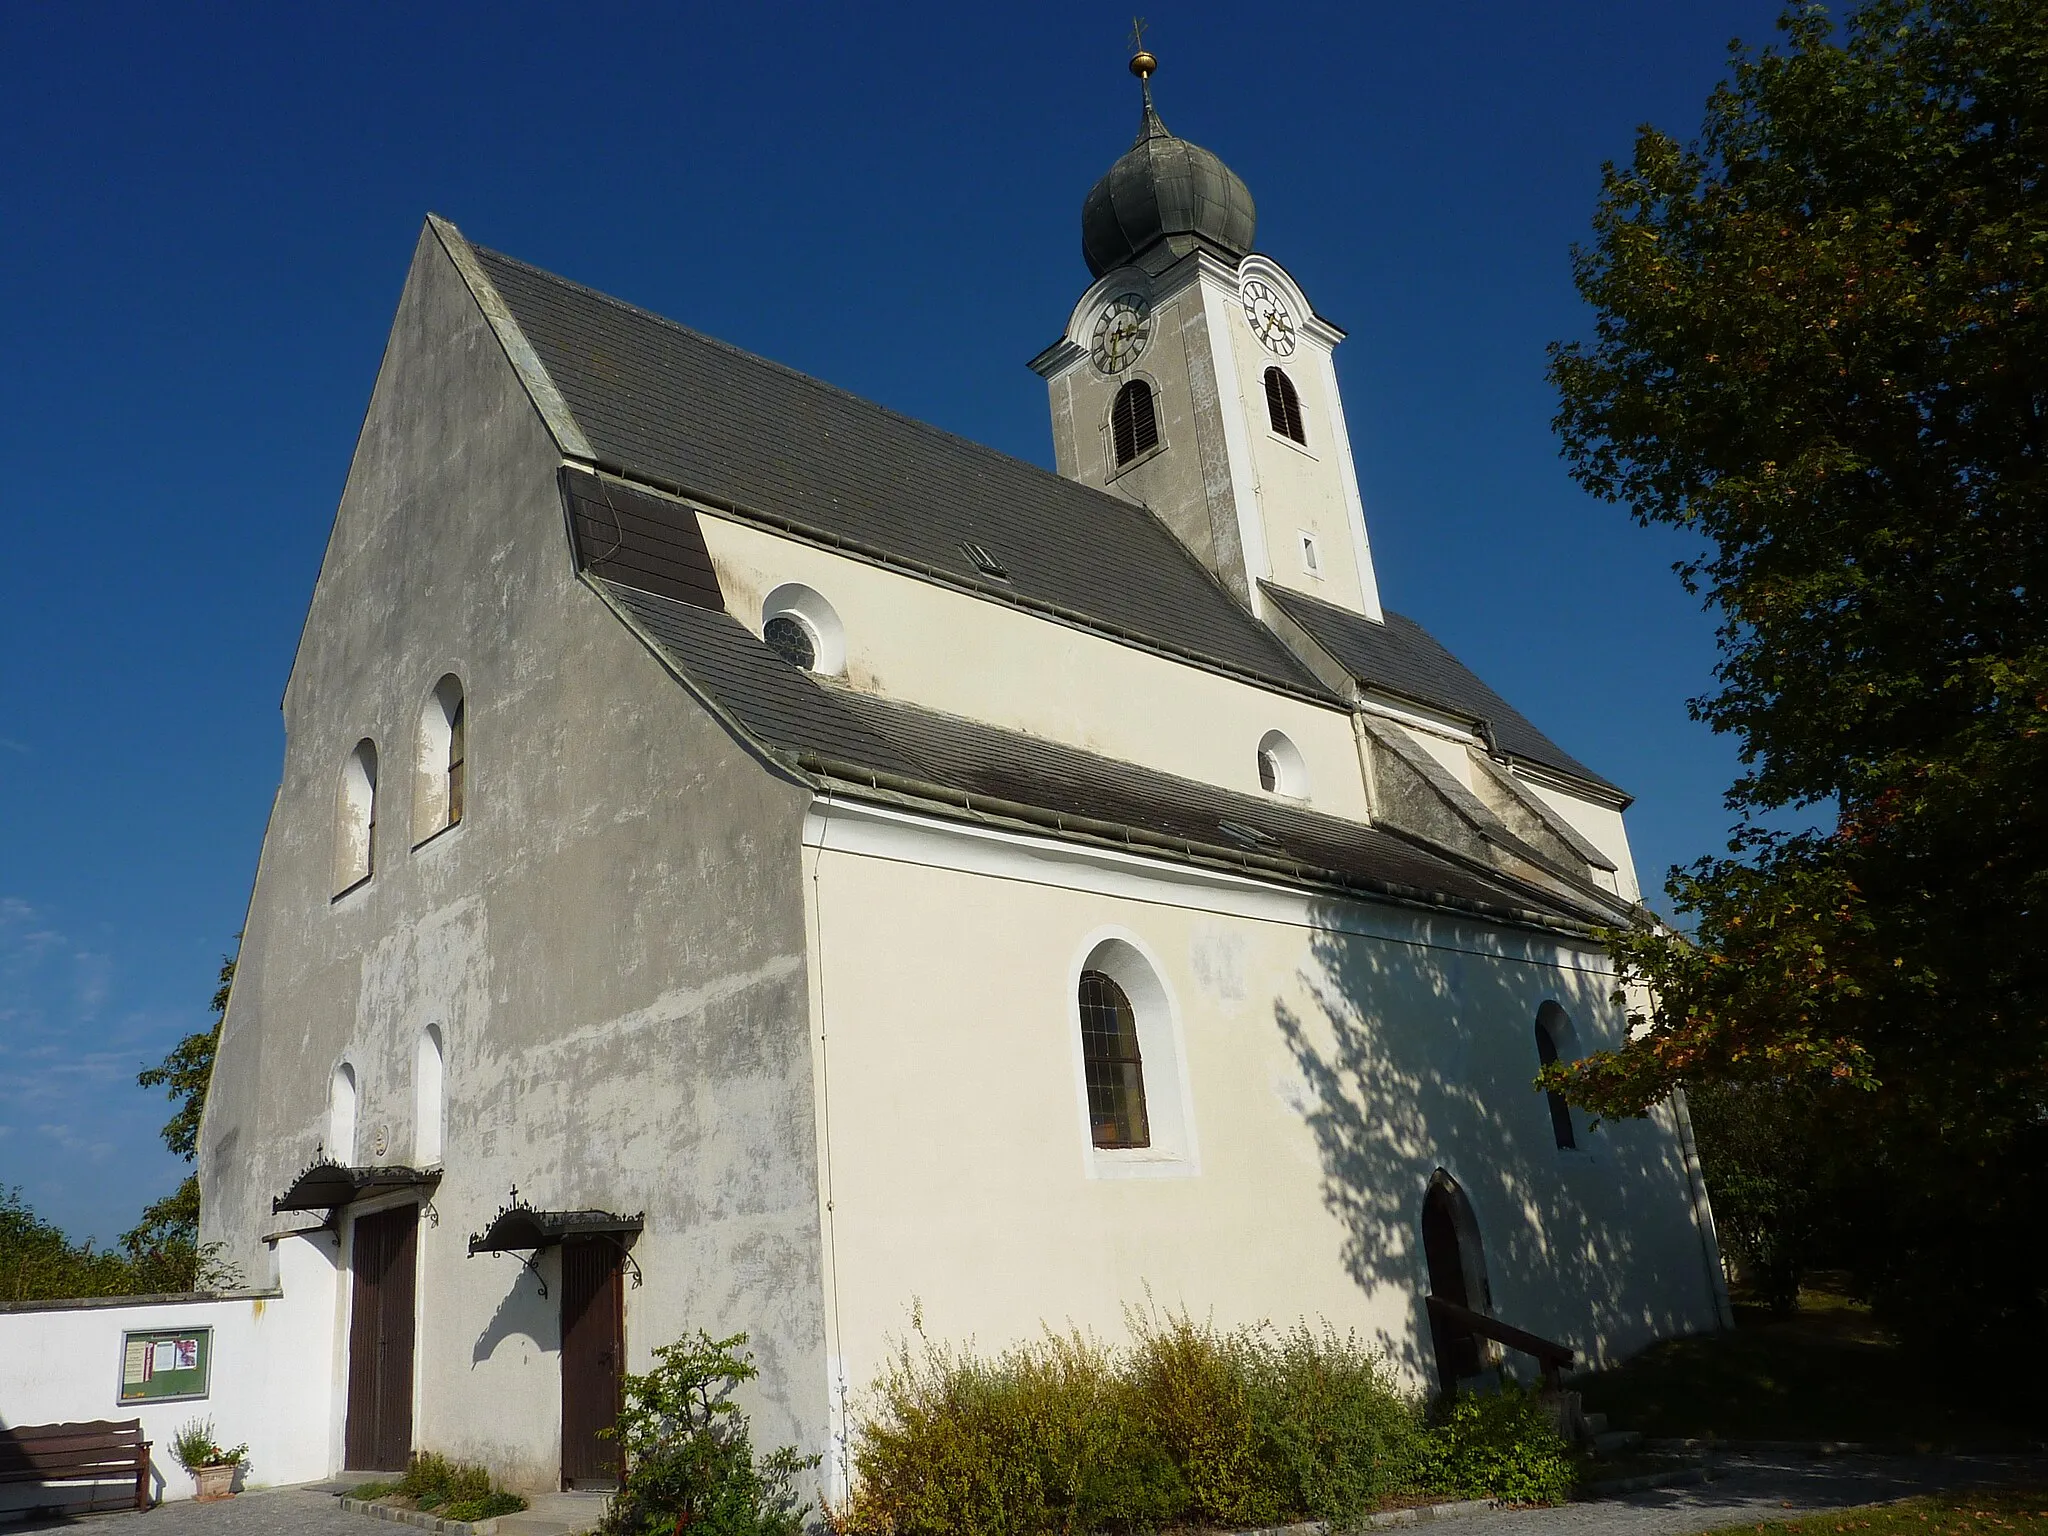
593, 1361
1457, 1349
384, 1259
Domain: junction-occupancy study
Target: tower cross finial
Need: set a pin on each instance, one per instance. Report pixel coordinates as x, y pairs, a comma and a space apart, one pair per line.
1137, 34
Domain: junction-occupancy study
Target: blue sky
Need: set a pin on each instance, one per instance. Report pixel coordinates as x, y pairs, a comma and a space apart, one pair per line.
205, 215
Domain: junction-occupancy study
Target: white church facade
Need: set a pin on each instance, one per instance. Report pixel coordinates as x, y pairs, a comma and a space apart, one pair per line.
824, 866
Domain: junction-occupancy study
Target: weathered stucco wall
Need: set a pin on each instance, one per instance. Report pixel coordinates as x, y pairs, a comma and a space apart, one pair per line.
610, 941
1334, 1055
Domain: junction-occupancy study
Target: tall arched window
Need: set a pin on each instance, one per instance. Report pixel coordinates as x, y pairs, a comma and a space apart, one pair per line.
429, 1097
355, 833
1115, 1069
1555, 1042
440, 776
1283, 406
341, 1116
1133, 422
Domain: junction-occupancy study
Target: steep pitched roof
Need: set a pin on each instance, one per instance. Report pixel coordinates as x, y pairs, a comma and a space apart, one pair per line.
665, 405
880, 744
1401, 657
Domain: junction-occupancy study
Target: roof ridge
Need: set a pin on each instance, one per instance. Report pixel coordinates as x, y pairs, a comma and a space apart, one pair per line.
1088, 492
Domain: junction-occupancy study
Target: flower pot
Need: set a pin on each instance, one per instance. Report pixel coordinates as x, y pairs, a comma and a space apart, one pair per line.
216, 1482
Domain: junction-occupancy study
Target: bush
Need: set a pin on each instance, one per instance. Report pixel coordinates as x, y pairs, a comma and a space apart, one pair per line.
1045, 1437
1185, 1426
449, 1488
689, 1455
1499, 1445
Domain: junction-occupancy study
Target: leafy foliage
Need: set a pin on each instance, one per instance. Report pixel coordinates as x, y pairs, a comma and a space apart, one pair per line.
1498, 1445
1186, 1426
451, 1489
1771, 1179
1821, 350
689, 1455
195, 1446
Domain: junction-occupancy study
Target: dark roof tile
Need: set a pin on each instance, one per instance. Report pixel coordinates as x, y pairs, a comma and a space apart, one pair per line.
1401, 657
792, 712
683, 410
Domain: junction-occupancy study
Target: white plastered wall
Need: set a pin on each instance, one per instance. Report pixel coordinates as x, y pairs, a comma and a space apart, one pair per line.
948, 650
273, 1363
1335, 1055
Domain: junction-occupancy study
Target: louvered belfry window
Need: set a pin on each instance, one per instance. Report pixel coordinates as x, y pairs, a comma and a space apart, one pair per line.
1116, 1074
1133, 422
1283, 406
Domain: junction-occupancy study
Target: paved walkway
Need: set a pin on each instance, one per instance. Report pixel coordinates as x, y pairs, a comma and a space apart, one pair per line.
1748, 1489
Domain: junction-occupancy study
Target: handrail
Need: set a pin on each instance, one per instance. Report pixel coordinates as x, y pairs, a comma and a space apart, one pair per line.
1551, 1355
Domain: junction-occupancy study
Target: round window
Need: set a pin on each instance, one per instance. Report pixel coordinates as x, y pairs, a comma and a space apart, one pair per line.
790, 638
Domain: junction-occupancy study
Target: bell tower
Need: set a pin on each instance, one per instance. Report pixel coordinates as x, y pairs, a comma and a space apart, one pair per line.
1195, 377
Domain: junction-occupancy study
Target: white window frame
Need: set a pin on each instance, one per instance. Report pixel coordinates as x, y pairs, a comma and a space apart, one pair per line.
1162, 1049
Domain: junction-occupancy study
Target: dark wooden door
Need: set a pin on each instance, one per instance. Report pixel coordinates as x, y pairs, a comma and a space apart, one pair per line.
379, 1436
593, 1361
1457, 1349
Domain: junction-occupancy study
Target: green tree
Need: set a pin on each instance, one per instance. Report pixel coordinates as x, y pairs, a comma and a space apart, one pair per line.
1821, 351
164, 1246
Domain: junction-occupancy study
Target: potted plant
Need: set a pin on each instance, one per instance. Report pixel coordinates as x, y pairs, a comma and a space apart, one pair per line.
212, 1468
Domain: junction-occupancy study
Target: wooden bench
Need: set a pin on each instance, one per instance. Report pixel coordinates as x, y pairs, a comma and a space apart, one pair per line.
92, 1455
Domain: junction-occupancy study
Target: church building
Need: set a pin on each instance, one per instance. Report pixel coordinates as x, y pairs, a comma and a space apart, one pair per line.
747, 860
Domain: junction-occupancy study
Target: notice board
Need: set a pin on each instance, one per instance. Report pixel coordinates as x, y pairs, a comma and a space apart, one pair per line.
166, 1364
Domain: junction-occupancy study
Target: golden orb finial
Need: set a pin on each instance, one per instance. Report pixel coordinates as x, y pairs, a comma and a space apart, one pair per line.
1142, 61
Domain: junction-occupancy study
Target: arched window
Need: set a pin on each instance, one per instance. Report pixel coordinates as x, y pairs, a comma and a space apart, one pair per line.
428, 1098
1283, 406
1555, 1042
1281, 769
341, 1116
439, 783
1116, 1071
355, 833
1133, 423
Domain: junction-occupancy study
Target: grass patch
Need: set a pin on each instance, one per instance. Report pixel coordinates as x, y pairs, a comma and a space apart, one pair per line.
1827, 1372
447, 1488
1982, 1512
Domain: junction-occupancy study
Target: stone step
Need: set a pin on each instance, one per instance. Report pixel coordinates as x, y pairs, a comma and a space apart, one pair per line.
1596, 1423
1614, 1442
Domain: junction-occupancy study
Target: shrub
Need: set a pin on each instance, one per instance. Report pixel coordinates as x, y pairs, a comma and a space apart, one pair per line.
1045, 1437
1498, 1445
1340, 1434
1187, 1426
689, 1455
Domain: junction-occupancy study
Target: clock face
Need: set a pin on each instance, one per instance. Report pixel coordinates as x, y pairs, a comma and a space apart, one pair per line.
1270, 322
1121, 332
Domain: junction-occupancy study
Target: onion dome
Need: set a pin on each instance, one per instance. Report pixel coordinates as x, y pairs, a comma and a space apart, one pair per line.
1164, 198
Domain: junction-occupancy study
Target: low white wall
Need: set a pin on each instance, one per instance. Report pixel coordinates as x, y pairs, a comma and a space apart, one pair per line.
270, 1384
